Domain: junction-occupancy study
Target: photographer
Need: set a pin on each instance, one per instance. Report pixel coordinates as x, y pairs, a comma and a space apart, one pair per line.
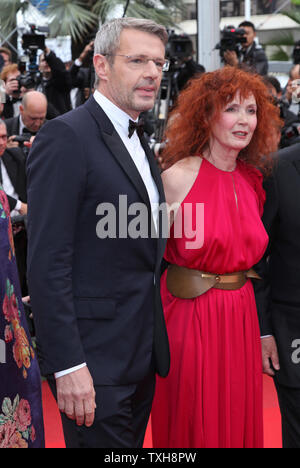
55, 81
252, 56
275, 90
294, 74
11, 75
32, 116
13, 181
81, 76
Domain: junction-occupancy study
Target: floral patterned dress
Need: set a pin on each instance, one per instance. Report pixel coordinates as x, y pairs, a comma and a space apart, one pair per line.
21, 421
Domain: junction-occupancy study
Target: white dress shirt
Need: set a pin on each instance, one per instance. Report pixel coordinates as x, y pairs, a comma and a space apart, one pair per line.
120, 121
9, 189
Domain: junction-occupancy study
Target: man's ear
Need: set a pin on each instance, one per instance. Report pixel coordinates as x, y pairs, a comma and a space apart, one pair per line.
101, 66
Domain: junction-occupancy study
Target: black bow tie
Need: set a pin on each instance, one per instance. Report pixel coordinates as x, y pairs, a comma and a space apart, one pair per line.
28, 132
138, 126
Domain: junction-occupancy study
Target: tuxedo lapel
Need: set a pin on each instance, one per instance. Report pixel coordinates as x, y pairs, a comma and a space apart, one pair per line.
154, 169
297, 165
11, 169
117, 148
157, 179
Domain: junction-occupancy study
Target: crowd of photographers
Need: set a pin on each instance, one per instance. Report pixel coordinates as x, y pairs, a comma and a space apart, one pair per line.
238, 47
27, 101
54, 88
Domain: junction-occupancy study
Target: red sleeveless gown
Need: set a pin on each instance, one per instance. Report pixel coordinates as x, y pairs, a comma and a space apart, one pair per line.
212, 397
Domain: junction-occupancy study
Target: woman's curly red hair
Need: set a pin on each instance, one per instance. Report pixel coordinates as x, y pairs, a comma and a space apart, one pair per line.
200, 104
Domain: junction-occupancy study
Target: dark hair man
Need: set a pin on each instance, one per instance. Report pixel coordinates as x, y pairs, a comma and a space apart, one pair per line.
95, 292
55, 82
252, 56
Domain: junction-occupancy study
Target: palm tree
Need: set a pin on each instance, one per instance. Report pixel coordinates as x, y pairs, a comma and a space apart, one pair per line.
284, 39
77, 17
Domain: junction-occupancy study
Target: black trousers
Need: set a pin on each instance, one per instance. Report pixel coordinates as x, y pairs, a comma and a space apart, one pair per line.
121, 417
289, 402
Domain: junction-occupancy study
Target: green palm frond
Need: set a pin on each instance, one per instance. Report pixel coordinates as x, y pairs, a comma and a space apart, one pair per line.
294, 15
70, 17
157, 10
9, 9
77, 17
282, 39
280, 55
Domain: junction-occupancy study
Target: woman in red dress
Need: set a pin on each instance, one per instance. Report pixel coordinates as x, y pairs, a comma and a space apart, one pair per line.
226, 123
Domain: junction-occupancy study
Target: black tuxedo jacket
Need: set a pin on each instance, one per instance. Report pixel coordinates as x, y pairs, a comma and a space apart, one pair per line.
278, 295
14, 162
256, 59
13, 126
94, 300
57, 88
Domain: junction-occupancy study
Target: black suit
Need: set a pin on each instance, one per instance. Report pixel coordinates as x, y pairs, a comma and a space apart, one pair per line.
256, 59
81, 79
94, 300
13, 126
57, 88
278, 295
14, 162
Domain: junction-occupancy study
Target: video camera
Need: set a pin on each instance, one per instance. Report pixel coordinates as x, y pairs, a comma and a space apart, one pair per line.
231, 39
28, 65
179, 48
179, 51
21, 139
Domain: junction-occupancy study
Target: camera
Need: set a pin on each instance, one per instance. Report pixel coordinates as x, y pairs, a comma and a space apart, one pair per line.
179, 48
179, 52
22, 139
231, 39
28, 65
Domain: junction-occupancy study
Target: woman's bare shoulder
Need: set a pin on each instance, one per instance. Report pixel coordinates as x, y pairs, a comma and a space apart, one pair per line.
183, 167
179, 178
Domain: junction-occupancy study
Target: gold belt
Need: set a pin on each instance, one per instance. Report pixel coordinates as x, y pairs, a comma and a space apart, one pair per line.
186, 283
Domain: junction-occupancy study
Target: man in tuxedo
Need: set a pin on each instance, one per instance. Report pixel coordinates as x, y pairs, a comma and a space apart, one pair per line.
278, 294
32, 116
13, 181
93, 280
12, 174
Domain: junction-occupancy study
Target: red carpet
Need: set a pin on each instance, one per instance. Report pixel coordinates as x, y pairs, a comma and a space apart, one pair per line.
272, 422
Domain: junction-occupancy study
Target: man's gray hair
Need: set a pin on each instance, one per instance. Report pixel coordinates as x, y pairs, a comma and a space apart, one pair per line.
108, 37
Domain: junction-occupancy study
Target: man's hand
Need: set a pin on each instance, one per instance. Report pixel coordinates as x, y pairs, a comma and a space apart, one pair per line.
11, 143
29, 143
11, 86
88, 48
269, 352
76, 396
23, 210
231, 58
